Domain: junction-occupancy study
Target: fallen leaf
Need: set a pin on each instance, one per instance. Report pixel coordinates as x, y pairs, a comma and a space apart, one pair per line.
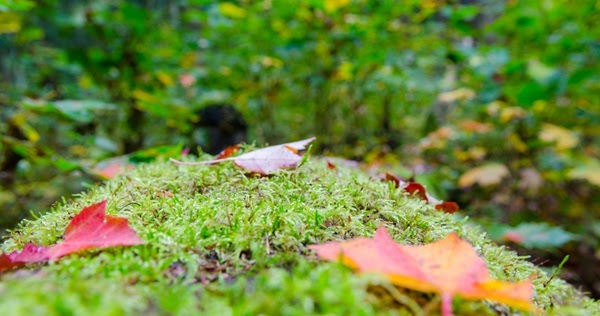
334, 5
166, 193
30, 253
460, 94
513, 237
417, 190
485, 175
266, 160
447, 207
510, 113
474, 126
112, 170
563, 138
450, 266
437, 138
231, 10
537, 235
589, 171
187, 80
227, 152
112, 167
398, 182
91, 228
344, 162
530, 179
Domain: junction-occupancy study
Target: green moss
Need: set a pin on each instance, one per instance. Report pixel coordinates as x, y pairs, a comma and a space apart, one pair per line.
220, 242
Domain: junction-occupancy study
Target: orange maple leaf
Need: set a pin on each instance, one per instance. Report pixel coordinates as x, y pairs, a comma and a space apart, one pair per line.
450, 266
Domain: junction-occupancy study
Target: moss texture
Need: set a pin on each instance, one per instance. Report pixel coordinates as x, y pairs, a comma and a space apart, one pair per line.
220, 242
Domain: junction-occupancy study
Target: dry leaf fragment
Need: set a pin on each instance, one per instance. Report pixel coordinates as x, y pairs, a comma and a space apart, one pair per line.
474, 126
418, 190
229, 151
266, 160
450, 266
485, 175
447, 207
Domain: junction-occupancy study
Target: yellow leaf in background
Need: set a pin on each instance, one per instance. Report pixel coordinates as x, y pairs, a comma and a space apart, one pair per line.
517, 143
477, 153
485, 175
165, 79
589, 171
334, 5
437, 138
10, 22
460, 94
231, 10
85, 81
562, 137
474, 153
344, 71
268, 61
510, 113
30, 133
188, 60
144, 96
493, 108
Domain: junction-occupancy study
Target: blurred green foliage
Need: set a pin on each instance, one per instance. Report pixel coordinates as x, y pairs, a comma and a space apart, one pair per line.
439, 89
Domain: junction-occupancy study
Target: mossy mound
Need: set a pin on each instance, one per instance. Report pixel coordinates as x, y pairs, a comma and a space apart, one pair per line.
220, 242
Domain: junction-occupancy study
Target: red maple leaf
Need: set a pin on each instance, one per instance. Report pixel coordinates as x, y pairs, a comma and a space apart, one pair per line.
91, 228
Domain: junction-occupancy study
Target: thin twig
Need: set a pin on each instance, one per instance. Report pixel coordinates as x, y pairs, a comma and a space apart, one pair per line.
128, 204
403, 299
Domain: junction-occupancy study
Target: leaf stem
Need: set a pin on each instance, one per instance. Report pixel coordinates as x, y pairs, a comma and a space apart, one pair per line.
195, 163
447, 304
403, 299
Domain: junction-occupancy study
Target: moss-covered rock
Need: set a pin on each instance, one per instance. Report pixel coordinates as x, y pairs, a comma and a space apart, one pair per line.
220, 242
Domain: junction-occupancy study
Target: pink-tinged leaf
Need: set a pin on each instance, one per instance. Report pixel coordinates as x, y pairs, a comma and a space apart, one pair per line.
30, 253
92, 228
449, 266
6, 263
513, 237
266, 160
112, 169
187, 80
